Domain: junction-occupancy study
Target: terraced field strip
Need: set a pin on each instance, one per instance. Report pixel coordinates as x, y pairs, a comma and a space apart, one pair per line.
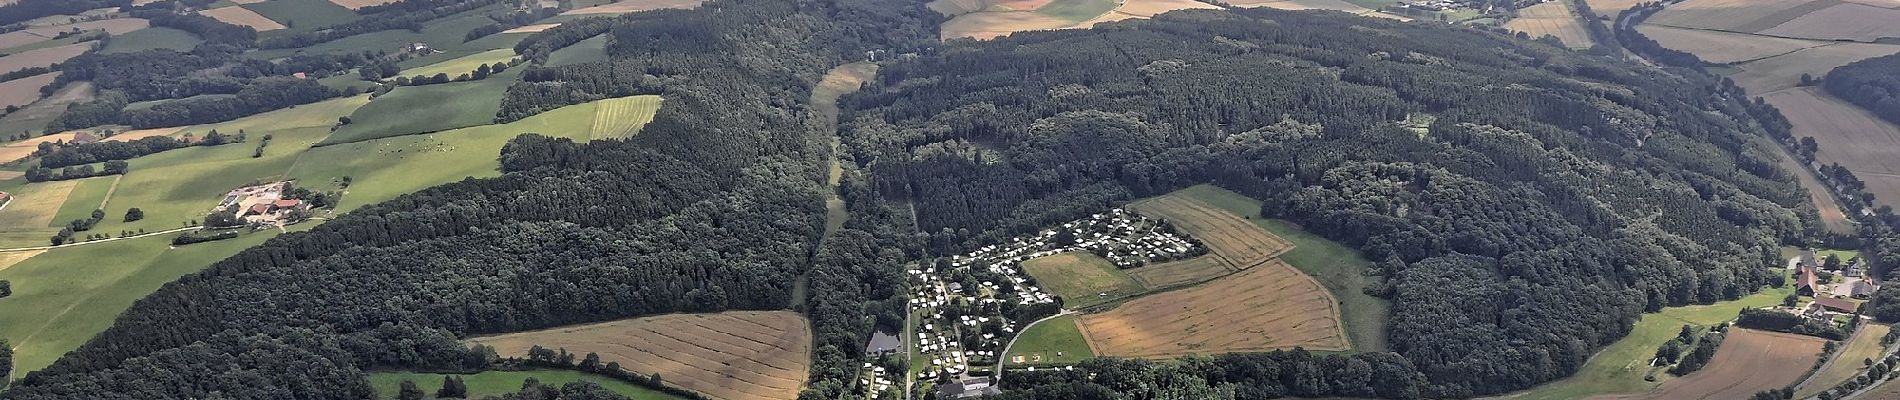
1269, 307
740, 355
1235, 240
1749, 361
622, 117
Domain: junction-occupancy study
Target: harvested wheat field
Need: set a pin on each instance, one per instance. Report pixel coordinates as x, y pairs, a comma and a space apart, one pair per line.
1607, 9
1184, 272
1239, 243
531, 28
1552, 18
1269, 307
1724, 47
740, 355
10, 258
42, 57
24, 91
34, 205
1749, 361
1148, 8
242, 16
1857, 22
1784, 71
991, 25
1847, 135
359, 4
636, 6
1745, 16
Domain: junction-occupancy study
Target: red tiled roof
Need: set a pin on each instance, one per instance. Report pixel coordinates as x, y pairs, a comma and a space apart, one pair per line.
1807, 279
259, 208
1840, 305
286, 203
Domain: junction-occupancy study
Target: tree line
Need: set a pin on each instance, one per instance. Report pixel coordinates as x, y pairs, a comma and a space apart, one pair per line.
1872, 84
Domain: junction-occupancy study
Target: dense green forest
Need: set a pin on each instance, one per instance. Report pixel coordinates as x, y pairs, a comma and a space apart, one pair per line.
1873, 84
1525, 203
716, 205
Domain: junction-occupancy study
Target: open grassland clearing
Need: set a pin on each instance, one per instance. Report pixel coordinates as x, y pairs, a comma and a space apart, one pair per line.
1227, 236
359, 4
1724, 47
303, 15
1552, 18
237, 15
1767, 75
1847, 135
382, 169
45, 57
87, 195
731, 355
1340, 268
1055, 341
152, 38
1749, 361
1271, 306
1622, 366
34, 206
463, 65
956, 7
620, 118
589, 50
1849, 361
628, 6
411, 110
1076, 10
1857, 22
24, 91
1081, 279
1744, 16
64, 297
496, 383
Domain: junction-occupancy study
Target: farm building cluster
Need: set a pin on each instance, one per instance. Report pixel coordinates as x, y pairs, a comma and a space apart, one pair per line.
967, 308
1833, 283
263, 204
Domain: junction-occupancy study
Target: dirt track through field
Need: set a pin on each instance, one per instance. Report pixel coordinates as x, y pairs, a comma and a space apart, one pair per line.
1272, 306
741, 355
1749, 361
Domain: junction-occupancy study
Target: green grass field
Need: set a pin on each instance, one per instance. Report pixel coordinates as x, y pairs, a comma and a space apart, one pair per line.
303, 15
86, 196
1081, 279
1621, 366
382, 169
1056, 335
495, 383
1077, 10
1341, 269
1849, 361
462, 65
585, 51
65, 296
411, 110
443, 34
150, 103
156, 37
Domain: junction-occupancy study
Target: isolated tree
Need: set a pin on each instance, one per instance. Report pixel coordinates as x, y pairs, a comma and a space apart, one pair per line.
134, 214
409, 391
1791, 300
6, 288
452, 387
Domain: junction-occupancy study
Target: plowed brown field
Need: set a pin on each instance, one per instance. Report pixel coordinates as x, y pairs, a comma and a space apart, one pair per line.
741, 355
1272, 306
1749, 361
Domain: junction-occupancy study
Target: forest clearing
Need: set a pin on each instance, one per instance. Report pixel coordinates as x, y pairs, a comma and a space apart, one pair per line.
1268, 307
738, 355
1749, 361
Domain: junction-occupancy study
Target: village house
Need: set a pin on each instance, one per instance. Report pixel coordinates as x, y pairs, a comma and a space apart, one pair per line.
1856, 288
883, 343
1834, 305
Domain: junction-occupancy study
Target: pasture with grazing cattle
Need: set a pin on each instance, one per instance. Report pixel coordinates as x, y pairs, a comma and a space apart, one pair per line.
739, 355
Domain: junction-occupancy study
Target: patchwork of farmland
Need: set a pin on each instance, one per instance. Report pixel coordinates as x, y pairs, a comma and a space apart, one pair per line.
1746, 16
1856, 22
1552, 18
1272, 306
731, 355
33, 118
1749, 361
1724, 47
1847, 135
24, 91
44, 57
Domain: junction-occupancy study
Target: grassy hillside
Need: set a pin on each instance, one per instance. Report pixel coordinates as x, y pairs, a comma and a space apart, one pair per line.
410, 110
304, 15
156, 37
